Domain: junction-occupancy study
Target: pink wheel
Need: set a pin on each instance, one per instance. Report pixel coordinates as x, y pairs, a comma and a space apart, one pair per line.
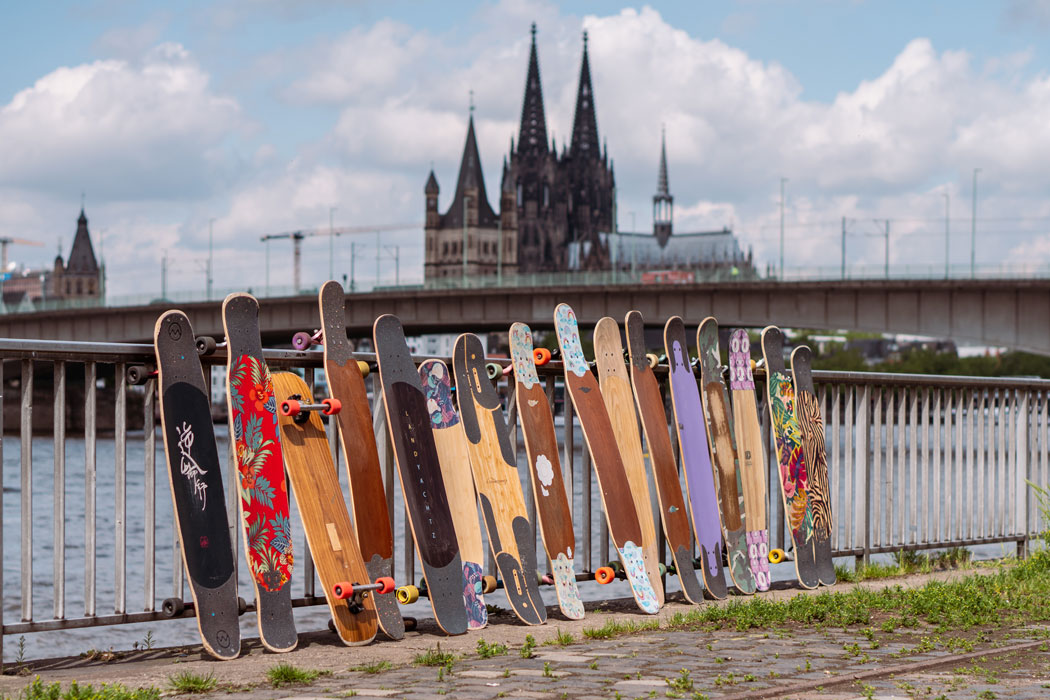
301, 341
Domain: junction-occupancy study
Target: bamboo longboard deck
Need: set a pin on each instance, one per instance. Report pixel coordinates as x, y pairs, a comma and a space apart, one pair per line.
371, 518
496, 478
261, 484
615, 384
722, 444
196, 485
422, 484
459, 484
751, 451
807, 411
794, 479
541, 445
673, 512
620, 513
329, 534
696, 457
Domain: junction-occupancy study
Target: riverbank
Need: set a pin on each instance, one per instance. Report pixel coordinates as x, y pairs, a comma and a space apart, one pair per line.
975, 631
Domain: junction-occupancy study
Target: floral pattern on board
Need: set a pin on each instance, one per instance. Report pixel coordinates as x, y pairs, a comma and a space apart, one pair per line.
565, 584
634, 567
793, 473
260, 470
740, 376
438, 389
477, 613
758, 553
568, 331
521, 355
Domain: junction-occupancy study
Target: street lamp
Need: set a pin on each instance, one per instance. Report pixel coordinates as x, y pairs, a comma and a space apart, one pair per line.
211, 258
782, 181
973, 229
947, 233
331, 244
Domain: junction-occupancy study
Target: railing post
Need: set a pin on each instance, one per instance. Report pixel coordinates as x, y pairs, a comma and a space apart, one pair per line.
27, 490
1022, 472
58, 505
863, 482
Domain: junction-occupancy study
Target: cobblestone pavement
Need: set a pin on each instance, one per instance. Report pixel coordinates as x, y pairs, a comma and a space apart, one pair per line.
569, 660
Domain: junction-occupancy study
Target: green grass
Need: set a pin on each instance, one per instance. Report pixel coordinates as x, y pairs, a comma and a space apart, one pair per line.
487, 651
287, 674
527, 649
434, 657
374, 667
189, 682
561, 639
615, 628
38, 690
906, 563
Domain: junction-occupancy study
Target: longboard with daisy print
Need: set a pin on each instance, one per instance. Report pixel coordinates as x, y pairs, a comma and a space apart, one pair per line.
261, 482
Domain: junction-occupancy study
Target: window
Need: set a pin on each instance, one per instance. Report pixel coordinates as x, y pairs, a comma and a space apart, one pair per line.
520, 198
546, 195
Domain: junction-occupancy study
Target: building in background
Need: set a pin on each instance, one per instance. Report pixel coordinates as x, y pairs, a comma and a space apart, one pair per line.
80, 277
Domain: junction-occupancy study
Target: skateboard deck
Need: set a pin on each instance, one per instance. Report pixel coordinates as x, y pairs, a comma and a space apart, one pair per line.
452, 453
615, 385
794, 478
673, 513
196, 485
496, 478
329, 533
751, 453
261, 485
696, 457
620, 513
807, 411
371, 519
722, 444
422, 485
541, 444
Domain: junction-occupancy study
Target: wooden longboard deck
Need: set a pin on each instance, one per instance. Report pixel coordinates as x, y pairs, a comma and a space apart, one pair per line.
196, 485
673, 512
459, 483
329, 534
419, 469
371, 518
696, 457
751, 451
722, 445
620, 513
794, 479
807, 411
261, 485
541, 445
615, 384
496, 478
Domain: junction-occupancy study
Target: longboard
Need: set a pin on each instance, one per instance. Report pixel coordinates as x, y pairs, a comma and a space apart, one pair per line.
620, 513
452, 452
371, 519
615, 385
196, 485
422, 485
794, 477
261, 484
722, 444
696, 457
541, 444
807, 411
329, 534
751, 452
673, 512
496, 478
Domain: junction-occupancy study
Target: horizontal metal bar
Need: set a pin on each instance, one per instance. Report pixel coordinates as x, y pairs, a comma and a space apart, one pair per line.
973, 542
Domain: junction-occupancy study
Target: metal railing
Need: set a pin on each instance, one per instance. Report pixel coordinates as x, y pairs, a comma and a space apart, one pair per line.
916, 462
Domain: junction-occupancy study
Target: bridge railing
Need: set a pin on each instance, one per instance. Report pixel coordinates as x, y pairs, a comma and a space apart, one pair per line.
916, 462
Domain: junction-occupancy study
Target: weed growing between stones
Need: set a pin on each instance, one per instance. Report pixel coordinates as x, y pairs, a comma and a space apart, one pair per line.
190, 682
528, 648
37, 690
287, 674
487, 651
434, 657
375, 667
614, 628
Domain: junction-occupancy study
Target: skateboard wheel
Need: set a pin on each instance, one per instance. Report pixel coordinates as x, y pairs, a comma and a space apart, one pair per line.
242, 605
494, 370
488, 584
363, 367
386, 585
302, 340
776, 556
173, 607
410, 624
205, 345
663, 569
753, 365
407, 594
331, 406
616, 566
604, 574
290, 407
331, 625
541, 356
652, 358
343, 590
138, 374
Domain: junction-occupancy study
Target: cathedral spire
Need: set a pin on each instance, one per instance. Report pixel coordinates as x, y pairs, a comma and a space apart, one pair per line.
532, 136
470, 186
585, 123
663, 202
661, 180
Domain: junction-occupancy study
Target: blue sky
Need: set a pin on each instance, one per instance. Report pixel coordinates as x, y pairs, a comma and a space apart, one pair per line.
263, 117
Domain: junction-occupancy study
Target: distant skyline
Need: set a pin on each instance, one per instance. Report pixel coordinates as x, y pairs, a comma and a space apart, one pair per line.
263, 117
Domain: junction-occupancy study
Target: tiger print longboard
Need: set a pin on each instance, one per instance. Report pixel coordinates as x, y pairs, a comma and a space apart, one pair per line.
723, 448
807, 411
541, 445
791, 460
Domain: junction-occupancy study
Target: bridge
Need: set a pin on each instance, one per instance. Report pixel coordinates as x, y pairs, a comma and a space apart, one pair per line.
1007, 312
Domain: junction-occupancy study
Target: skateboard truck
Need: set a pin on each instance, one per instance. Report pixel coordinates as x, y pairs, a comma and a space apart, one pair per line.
138, 374
206, 345
354, 592
300, 412
303, 340
174, 607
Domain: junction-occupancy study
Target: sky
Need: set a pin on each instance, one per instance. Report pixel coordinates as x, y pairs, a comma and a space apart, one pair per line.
256, 117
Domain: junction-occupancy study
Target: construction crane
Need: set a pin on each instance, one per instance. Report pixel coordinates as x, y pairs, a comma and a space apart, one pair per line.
6, 241
298, 236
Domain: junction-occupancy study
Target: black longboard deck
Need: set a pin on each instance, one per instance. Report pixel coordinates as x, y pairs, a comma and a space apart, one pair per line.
422, 486
497, 481
807, 411
196, 485
240, 320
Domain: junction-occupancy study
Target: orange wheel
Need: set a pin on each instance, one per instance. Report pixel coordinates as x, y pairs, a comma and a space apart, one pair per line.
604, 574
541, 356
343, 589
386, 583
332, 406
290, 407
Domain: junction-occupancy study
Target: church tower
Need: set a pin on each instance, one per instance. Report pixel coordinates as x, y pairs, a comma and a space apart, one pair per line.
663, 202
80, 276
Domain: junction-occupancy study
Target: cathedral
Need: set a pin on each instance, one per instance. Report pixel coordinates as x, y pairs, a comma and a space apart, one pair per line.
556, 210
